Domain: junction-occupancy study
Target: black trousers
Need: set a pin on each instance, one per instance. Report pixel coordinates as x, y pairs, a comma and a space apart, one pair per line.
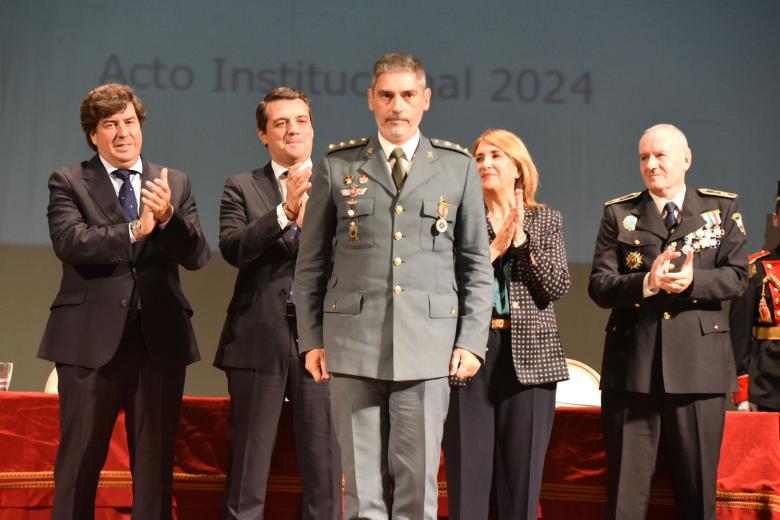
689, 429
256, 397
90, 400
496, 435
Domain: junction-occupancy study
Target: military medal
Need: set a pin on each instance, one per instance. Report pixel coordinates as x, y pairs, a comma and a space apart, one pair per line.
348, 180
363, 179
629, 223
353, 191
442, 210
354, 234
634, 260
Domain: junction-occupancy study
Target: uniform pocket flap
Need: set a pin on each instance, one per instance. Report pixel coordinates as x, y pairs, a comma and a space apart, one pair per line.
360, 208
443, 305
431, 209
710, 324
243, 298
69, 298
343, 303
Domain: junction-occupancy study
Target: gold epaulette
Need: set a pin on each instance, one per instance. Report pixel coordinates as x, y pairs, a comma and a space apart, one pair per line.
717, 193
439, 143
752, 259
351, 143
623, 198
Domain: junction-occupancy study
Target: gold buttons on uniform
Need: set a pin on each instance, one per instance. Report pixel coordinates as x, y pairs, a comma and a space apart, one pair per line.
667, 316
350, 212
636, 242
333, 306
694, 301
397, 289
399, 209
715, 327
636, 305
396, 261
397, 235
453, 312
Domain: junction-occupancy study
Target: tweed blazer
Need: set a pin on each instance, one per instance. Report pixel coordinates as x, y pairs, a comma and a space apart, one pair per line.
538, 276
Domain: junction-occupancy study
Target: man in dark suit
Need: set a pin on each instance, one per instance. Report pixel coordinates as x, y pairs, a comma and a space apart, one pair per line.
665, 260
406, 303
119, 330
260, 217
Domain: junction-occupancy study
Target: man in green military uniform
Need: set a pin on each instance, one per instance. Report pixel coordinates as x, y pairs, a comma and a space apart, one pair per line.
394, 290
755, 330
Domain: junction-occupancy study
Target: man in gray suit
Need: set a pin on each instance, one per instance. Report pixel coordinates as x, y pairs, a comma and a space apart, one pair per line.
394, 289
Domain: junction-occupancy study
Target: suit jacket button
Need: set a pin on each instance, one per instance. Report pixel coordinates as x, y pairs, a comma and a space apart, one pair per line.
667, 316
123, 303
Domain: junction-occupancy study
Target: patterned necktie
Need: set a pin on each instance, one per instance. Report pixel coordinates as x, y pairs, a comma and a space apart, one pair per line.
399, 173
670, 220
127, 194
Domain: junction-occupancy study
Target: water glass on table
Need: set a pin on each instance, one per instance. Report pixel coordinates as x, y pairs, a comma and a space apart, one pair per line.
6, 369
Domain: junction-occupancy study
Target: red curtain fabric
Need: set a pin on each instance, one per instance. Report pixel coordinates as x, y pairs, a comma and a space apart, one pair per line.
574, 477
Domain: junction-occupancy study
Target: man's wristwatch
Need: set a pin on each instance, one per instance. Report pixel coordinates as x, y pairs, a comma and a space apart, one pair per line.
135, 227
288, 211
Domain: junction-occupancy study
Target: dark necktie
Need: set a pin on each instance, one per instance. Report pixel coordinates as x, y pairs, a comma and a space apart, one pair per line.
670, 220
398, 168
292, 235
127, 194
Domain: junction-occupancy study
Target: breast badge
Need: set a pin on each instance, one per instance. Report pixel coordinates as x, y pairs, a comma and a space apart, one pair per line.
737, 217
629, 223
634, 260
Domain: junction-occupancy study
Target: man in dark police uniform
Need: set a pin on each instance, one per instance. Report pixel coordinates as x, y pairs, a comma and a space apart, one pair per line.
665, 260
755, 330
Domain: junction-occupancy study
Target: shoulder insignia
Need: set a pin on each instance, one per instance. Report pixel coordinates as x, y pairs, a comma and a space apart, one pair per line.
757, 256
440, 143
343, 145
717, 193
623, 198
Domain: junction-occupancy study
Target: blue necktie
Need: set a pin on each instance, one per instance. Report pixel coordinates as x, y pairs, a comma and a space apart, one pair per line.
127, 194
669, 219
292, 234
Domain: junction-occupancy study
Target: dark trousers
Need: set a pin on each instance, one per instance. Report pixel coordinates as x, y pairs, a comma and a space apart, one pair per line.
497, 432
256, 397
689, 429
90, 400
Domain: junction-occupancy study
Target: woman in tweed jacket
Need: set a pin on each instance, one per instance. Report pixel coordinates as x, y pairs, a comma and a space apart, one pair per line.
499, 423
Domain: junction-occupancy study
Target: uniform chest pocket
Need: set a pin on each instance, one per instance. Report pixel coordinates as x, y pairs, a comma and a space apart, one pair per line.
355, 223
437, 232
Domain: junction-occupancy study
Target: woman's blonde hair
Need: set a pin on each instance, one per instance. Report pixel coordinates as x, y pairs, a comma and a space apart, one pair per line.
515, 149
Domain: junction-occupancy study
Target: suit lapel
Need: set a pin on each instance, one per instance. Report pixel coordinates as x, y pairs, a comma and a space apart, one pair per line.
264, 182
375, 167
266, 186
648, 217
691, 219
99, 185
424, 167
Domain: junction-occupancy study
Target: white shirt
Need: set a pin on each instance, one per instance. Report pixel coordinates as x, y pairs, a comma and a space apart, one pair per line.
278, 169
409, 147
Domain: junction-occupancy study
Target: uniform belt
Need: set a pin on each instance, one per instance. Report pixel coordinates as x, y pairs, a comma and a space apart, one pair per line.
499, 323
767, 333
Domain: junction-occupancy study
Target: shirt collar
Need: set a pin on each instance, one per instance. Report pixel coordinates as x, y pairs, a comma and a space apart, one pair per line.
660, 203
279, 169
110, 168
409, 147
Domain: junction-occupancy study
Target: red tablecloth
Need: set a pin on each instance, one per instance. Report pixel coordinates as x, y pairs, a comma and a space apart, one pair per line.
574, 478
